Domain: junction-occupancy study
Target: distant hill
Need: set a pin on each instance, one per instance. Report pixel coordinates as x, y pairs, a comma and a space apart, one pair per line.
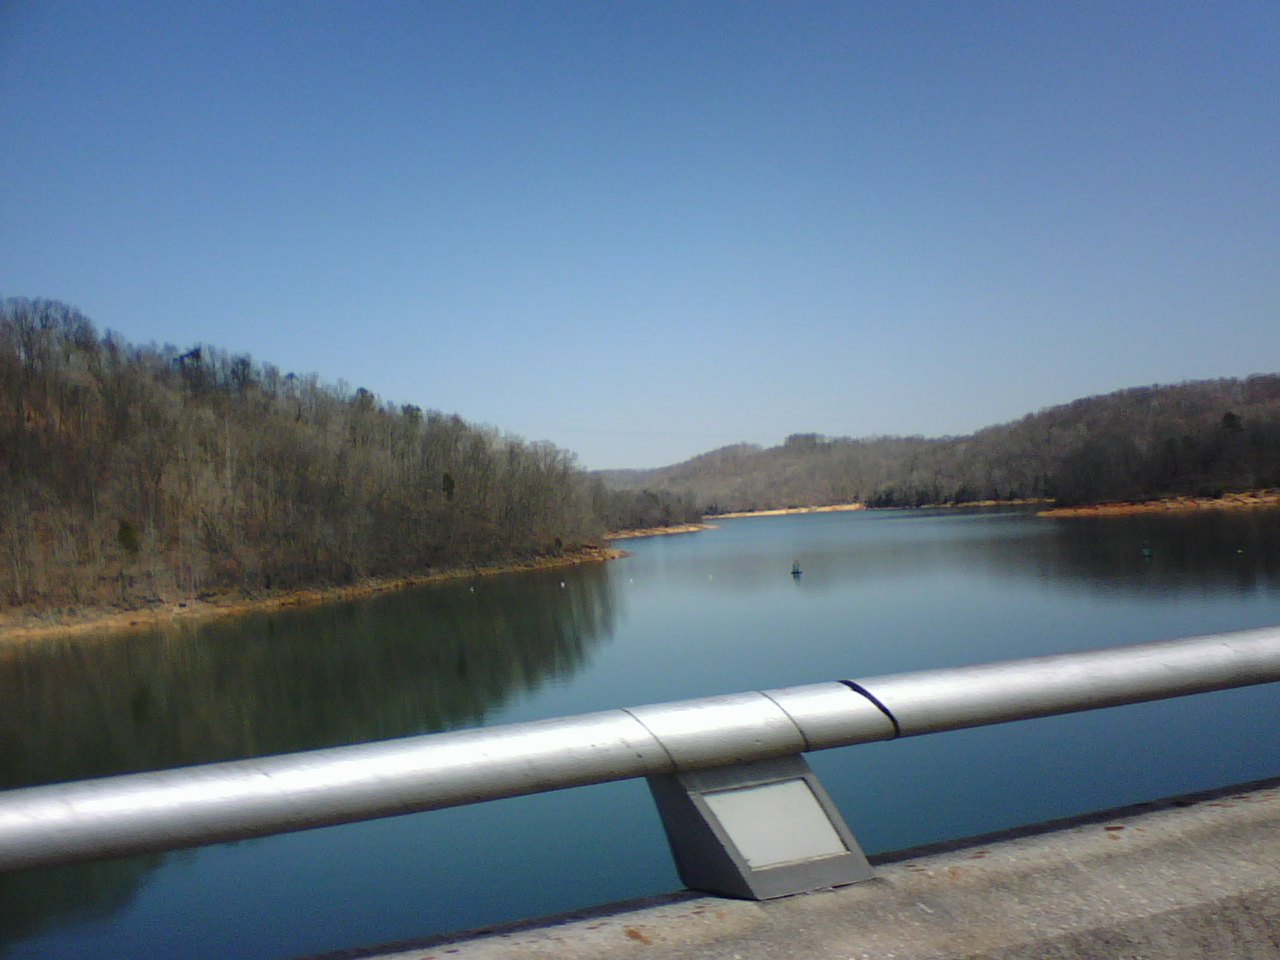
1205, 438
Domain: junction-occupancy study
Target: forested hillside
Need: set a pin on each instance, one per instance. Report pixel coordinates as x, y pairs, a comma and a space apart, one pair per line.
1203, 438
130, 474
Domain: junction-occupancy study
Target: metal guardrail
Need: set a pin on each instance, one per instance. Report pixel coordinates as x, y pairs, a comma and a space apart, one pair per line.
193, 806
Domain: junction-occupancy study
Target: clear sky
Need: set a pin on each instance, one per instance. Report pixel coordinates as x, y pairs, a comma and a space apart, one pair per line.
643, 230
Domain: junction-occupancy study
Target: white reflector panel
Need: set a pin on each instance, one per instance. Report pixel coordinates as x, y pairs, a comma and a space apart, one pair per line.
775, 823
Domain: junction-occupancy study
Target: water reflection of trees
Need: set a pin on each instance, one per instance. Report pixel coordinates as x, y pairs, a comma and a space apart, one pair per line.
32, 899
424, 660
1214, 551
412, 662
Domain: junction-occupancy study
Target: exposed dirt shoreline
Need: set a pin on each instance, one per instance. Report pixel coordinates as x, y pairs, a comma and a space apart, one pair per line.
1229, 501
658, 531
959, 504
787, 511
22, 626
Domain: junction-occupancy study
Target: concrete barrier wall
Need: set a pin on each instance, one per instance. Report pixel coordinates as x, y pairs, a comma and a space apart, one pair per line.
1192, 877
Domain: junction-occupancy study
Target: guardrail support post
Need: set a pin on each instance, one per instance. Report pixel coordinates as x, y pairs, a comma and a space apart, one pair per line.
757, 830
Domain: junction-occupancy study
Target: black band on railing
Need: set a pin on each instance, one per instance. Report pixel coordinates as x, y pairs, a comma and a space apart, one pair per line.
858, 688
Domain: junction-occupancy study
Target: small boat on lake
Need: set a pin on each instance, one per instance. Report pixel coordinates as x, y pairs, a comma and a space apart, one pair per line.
795, 568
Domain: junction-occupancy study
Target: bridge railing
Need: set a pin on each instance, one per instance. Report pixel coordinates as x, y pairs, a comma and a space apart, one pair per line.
194, 806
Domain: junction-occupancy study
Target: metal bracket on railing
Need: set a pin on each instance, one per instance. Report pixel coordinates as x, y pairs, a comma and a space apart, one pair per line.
744, 814
757, 830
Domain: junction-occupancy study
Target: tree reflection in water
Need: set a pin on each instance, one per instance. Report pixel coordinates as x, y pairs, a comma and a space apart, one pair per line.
423, 660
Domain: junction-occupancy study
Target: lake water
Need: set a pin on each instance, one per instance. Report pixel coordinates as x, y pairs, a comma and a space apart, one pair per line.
684, 616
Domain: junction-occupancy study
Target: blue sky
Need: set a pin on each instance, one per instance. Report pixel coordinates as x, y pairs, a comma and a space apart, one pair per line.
645, 230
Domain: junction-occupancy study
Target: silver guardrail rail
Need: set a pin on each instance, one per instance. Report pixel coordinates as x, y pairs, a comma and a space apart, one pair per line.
213, 803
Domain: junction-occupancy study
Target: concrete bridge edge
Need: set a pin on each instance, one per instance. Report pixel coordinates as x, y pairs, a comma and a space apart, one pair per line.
1185, 877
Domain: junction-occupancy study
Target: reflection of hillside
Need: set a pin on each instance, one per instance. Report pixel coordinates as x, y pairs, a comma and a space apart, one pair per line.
412, 662
33, 899
1221, 551
842, 550
1213, 551
1140, 556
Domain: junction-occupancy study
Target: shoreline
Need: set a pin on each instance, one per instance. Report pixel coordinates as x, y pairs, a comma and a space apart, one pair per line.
788, 511
658, 531
846, 507
960, 504
1228, 501
18, 627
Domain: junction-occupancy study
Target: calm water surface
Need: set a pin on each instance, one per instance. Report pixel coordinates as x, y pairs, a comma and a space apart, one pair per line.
685, 616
